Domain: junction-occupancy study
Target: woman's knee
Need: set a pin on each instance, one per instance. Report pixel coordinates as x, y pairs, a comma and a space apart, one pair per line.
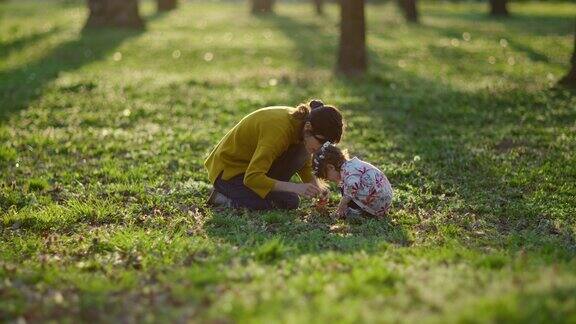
284, 200
292, 201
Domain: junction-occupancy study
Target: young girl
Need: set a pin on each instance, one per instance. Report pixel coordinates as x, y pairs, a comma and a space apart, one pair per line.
364, 188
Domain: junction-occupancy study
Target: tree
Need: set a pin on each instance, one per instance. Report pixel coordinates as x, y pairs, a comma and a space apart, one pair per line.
262, 6
352, 51
499, 8
166, 5
114, 13
569, 79
409, 9
319, 6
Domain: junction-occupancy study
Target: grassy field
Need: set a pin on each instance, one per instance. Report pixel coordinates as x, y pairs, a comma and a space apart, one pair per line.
103, 136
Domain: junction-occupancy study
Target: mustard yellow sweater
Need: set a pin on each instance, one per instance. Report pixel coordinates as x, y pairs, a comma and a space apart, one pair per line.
253, 145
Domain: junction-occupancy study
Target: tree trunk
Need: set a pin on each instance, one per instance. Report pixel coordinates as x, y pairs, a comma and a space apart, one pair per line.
166, 5
409, 10
319, 6
114, 13
262, 6
569, 80
499, 8
352, 52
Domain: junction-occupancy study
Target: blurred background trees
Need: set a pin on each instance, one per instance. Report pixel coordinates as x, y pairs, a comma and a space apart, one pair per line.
351, 55
499, 8
569, 79
409, 9
319, 7
262, 6
352, 51
166, 5
114, 13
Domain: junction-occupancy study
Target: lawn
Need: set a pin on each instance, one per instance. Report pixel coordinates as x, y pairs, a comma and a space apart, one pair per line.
102, 186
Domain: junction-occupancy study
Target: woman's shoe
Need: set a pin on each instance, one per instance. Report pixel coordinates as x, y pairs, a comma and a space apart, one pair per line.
217, 199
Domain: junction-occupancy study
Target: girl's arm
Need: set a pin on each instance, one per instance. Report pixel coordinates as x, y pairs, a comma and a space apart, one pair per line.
342, 206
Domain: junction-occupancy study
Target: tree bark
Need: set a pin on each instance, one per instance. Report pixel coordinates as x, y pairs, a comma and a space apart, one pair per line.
352, 51
409, 10
499, 8
114, 13
262, 6
319, 6
166, 5
569, 80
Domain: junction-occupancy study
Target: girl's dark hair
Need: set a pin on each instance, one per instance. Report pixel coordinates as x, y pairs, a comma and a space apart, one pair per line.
325, 120
328, 154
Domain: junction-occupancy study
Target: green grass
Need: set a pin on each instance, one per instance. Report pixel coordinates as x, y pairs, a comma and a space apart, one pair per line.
103, 135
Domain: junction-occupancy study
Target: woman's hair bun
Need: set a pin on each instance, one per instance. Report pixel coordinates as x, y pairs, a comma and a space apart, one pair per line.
316, 103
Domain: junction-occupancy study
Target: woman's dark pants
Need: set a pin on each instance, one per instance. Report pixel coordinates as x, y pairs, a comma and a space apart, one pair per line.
282, 169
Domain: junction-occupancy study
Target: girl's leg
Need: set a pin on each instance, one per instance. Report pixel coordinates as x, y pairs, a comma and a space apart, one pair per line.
351, 204
354, 205
353, 209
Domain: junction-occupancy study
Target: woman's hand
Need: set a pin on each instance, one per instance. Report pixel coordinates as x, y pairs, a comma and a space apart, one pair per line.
324, 187
324, 193
308, 190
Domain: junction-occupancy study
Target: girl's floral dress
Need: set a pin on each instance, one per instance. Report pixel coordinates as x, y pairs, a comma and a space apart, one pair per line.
367, 186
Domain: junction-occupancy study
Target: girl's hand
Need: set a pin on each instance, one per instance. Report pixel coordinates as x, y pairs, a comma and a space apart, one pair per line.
341, 211
342, 207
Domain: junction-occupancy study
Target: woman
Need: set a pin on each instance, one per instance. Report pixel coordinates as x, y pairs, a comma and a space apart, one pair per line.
252, 165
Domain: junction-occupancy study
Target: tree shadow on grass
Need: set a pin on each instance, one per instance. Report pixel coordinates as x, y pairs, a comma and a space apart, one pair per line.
519, 23
514, 44
18, 44
314, 48
21, 86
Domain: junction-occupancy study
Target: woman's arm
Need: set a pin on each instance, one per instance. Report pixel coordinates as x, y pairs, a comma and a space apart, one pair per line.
324, 187
309, 190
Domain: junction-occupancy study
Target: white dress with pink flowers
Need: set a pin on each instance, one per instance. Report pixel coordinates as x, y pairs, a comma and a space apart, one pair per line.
367, 186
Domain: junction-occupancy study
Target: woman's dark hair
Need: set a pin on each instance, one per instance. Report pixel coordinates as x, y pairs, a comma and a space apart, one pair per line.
328, 154
325, 120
